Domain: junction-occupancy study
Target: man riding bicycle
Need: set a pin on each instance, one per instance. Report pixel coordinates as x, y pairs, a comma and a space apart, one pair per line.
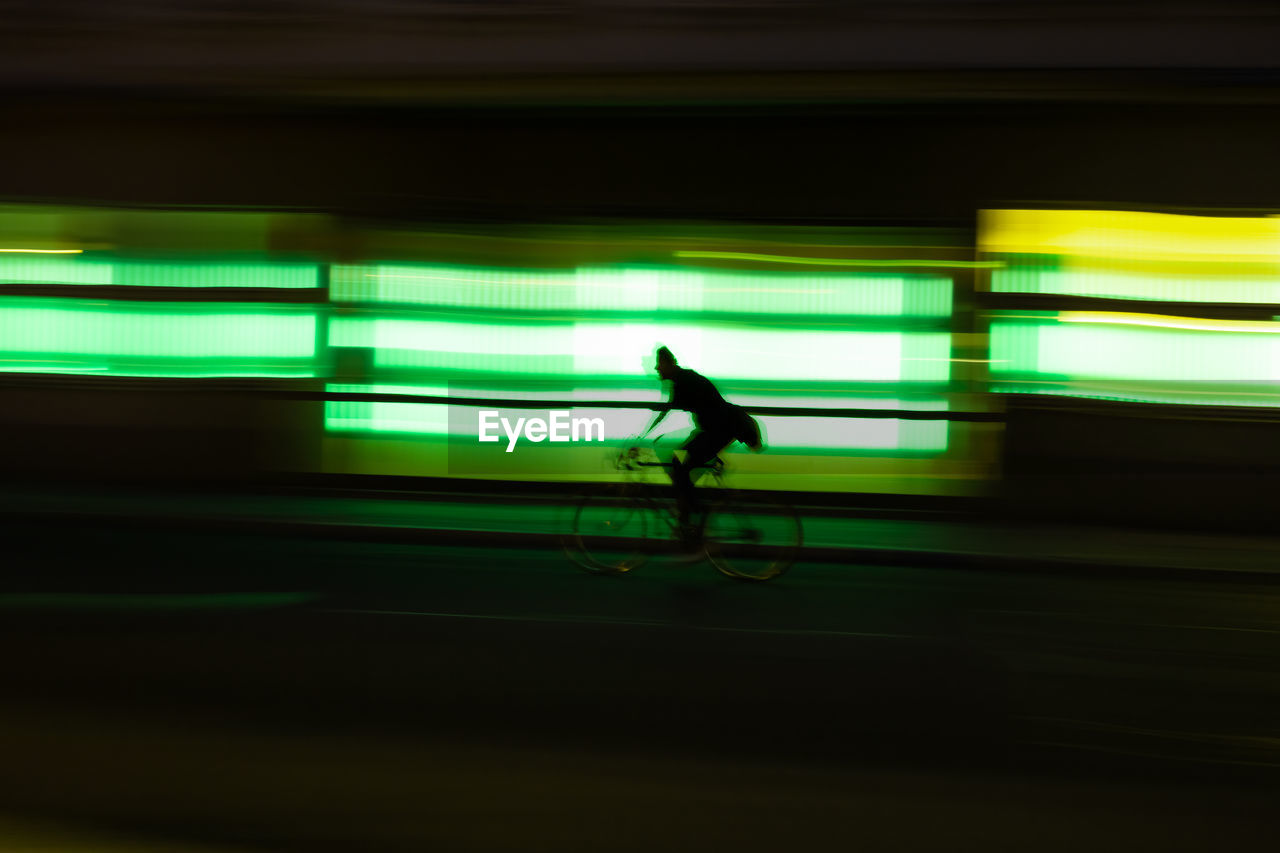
719, 423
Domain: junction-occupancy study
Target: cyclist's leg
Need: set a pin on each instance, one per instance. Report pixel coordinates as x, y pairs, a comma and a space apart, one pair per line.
699, 450
680, 480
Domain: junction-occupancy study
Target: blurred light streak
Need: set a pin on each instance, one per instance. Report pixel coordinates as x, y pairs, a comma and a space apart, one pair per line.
842, 262
603, 349
473, 315
646, 288
471, 280
618, 286
1161, 322
1162, 395
1133, 356
1212, 282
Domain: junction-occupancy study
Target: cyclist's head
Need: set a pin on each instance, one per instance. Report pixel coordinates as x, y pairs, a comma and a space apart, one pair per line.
666, 364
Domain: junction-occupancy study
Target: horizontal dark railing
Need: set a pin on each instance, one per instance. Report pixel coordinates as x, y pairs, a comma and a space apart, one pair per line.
212, 297
1055, 302
806, 411
288, 389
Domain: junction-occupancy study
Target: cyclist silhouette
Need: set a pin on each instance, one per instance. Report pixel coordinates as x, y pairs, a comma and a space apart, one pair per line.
719, 423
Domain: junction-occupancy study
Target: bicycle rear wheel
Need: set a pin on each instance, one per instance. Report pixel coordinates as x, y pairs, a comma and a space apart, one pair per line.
610, 532
753, 537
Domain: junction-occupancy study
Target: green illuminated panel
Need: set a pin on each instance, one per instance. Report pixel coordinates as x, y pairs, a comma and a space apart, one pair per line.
90, 269
645, 289
1117, 284
54, 269
156, 339
600, 349
854, 434
1117, 352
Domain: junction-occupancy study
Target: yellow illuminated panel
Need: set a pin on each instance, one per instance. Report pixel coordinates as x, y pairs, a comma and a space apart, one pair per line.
1132, 235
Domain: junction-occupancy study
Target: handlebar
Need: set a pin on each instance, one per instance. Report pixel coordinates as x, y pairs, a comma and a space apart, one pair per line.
629, 458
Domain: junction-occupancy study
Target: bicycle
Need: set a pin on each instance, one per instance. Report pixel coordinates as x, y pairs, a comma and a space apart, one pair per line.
618, 527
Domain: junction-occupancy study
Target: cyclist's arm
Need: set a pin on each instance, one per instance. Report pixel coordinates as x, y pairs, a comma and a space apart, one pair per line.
662, 413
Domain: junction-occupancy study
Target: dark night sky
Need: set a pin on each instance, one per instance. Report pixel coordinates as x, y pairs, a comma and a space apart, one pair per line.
214, 41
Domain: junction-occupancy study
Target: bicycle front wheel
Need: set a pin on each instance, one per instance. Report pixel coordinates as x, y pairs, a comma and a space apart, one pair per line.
753, 537
610, 532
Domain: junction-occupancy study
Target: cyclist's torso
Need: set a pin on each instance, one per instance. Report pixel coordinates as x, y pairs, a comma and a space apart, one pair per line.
694, 393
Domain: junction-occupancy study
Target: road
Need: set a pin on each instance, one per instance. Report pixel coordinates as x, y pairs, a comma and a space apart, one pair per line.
274, 692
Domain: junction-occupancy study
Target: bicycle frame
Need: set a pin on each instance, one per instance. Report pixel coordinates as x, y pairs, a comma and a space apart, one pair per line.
658, 497
738, 544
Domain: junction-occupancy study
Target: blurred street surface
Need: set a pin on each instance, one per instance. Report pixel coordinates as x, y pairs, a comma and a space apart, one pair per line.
180, 675
938, 533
